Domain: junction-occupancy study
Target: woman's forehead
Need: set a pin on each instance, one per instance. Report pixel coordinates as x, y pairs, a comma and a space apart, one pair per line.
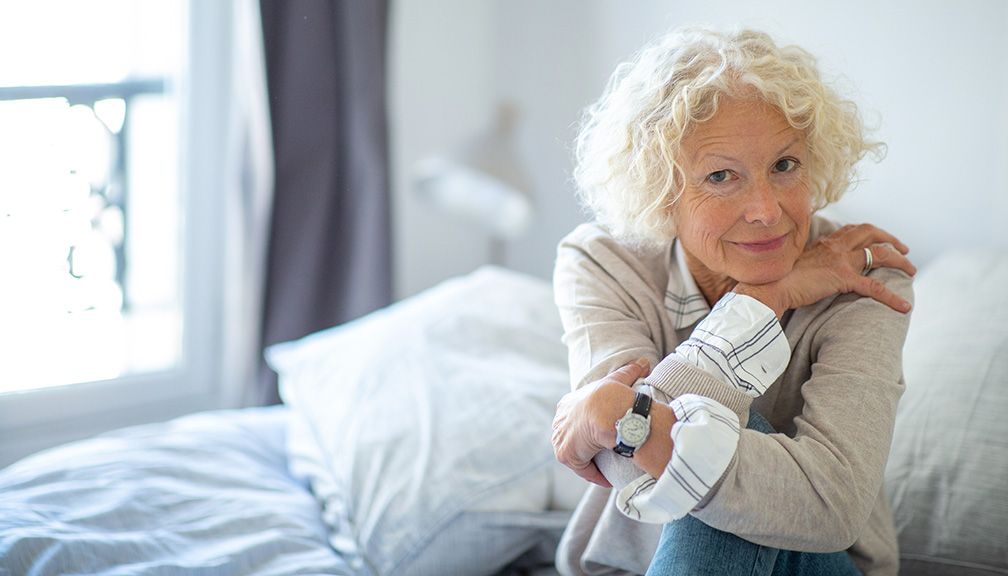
740, 125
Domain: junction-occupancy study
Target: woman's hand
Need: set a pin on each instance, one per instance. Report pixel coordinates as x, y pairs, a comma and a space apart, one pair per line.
585, 421
834, 264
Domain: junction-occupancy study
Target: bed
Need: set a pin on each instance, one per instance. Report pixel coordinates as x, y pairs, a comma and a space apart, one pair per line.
412, 441
415, 441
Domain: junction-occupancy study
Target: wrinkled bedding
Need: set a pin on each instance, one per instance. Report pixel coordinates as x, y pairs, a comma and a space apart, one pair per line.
205, 494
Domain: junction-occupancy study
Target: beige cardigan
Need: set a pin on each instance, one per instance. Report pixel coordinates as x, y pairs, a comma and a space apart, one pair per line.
815, 486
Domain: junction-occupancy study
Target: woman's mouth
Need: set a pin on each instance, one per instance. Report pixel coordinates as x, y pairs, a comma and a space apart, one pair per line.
763, 245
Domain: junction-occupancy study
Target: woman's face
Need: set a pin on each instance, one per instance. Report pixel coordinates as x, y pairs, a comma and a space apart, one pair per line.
744, 212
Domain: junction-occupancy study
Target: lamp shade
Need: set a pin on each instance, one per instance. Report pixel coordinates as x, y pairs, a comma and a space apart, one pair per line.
481, 184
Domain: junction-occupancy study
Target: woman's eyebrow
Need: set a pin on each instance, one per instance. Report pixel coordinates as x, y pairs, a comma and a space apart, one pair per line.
790, 144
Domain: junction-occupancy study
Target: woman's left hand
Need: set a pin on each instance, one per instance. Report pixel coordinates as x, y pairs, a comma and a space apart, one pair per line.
585, 421
837, 263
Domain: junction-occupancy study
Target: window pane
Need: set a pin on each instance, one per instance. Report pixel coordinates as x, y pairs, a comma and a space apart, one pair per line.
89, 197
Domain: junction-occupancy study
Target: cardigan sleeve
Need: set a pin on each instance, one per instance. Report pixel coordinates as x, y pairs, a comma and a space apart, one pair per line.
814, 490
599, 291
611, 304
742, 344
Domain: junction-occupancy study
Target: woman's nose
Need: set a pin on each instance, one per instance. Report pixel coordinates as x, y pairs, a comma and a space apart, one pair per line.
762, 205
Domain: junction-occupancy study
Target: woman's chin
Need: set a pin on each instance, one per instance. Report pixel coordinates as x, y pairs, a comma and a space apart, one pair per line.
765, 274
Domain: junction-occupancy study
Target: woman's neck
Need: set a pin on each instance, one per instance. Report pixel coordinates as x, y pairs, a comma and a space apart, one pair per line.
711, 284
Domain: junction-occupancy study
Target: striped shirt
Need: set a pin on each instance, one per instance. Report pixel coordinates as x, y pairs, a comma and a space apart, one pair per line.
741, 343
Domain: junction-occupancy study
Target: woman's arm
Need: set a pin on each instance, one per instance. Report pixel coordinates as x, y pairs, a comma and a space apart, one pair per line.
651, 459
834, 264
598, 287
847, 365
814, 491
609, 302
613, 306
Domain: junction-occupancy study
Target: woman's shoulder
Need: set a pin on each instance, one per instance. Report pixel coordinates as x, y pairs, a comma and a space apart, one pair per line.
590, 250
591, 235
593, 238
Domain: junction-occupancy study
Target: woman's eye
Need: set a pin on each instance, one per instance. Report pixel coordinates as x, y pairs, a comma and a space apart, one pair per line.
719, 176
785, 165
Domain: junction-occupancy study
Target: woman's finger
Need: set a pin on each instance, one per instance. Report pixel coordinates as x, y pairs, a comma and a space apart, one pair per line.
854, 236
630, 373
884, 256
592, 474
572, 445
872, 288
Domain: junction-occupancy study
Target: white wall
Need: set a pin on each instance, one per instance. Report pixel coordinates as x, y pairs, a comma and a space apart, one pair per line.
933, 74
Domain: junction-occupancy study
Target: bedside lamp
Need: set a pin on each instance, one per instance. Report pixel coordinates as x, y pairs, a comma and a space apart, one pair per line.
481, 184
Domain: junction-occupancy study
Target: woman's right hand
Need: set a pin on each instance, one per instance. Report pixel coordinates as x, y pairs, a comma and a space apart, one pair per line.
833, 264
585, 420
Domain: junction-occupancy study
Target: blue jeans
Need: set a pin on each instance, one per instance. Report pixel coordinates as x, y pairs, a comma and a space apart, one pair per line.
690, 547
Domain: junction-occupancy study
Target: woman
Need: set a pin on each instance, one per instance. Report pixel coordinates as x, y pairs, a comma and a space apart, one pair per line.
736, 358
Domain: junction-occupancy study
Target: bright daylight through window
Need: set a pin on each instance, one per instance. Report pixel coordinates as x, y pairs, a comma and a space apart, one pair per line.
90, 209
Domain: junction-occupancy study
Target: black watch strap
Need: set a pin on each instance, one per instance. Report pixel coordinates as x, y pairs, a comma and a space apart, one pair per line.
642, 404
641, 410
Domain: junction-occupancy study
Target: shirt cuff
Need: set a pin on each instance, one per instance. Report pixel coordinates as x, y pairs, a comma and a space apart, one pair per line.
740, 343
705, 437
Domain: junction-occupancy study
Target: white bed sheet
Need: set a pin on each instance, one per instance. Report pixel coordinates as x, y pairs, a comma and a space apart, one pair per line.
205, 494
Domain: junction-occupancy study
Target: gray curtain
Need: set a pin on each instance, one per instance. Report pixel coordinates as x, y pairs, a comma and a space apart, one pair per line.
329, 259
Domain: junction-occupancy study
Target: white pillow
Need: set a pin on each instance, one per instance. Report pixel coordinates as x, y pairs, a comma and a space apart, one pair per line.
436, 407
949, 460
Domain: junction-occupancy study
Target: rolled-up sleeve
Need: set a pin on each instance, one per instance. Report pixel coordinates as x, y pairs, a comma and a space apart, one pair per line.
740, 343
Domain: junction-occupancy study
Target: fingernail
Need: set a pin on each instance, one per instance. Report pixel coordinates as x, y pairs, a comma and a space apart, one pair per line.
643, 363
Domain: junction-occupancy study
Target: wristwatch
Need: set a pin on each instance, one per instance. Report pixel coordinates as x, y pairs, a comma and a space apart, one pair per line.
634, 427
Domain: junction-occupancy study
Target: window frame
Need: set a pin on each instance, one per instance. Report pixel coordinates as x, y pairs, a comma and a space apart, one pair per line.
36, 419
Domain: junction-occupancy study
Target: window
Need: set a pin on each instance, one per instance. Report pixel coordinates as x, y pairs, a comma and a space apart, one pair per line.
113, 157
89, 213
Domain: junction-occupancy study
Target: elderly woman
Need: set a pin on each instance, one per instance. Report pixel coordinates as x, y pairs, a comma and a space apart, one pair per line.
736, 358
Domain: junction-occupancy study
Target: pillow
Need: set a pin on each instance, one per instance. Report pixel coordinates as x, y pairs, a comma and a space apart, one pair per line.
425, 427
949, 462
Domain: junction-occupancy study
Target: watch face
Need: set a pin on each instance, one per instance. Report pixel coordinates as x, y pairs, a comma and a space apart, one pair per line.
634, 429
